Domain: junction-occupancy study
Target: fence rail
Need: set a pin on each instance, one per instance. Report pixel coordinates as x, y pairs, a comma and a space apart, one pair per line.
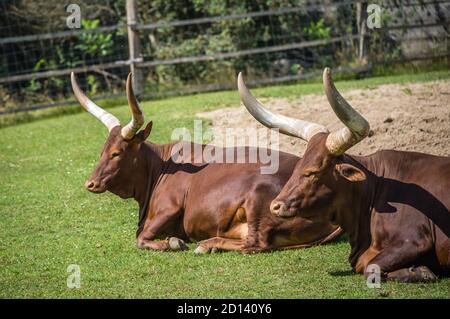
139, 62
204, 88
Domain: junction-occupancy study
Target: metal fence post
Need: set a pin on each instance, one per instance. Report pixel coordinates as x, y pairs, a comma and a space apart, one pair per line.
134, 47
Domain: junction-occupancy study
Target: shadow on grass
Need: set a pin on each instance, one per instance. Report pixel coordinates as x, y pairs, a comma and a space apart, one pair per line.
341, 239
342, 273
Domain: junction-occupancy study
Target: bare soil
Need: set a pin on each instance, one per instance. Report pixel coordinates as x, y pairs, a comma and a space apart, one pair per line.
410, 117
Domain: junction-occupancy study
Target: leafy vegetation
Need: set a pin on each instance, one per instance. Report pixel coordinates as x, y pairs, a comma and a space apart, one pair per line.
94, 44
19, 17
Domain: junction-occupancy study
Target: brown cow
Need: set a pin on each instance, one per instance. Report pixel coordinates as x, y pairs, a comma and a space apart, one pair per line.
393, 205
224, 206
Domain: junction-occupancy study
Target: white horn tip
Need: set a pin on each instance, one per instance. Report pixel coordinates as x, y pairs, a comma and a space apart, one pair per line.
129, 80
241, 84
326, 73
72, 77
240, 78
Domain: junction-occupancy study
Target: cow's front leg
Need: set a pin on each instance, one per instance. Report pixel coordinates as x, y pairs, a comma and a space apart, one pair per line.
413, 274
155, 227
218, 243
169, 244
398, 263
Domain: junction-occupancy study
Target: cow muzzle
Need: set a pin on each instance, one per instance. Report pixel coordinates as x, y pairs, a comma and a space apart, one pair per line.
279, 209
95, 186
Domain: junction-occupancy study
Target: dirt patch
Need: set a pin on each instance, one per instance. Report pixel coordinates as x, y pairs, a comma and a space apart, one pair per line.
412, 117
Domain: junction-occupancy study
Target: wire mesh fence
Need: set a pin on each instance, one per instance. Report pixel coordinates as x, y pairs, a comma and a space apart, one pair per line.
177, 47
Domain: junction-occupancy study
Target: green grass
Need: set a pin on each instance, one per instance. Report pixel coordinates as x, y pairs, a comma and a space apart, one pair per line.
48, 221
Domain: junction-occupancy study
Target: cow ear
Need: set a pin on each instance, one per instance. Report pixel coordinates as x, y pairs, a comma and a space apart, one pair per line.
144, 134
350, 172
148, 130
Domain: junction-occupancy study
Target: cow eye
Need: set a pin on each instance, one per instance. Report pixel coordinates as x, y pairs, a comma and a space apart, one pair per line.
310, 173
115, 154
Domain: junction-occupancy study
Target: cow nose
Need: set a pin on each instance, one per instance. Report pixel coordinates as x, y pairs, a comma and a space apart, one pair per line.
277, 207
90, 185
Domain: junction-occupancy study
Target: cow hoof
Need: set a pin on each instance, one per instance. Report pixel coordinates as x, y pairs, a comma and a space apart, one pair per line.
413, 274
425, 274
214, 250
201, 250
177, 244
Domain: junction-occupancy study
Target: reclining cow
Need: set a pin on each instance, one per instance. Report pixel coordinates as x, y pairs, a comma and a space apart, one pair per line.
221, 206
393, 205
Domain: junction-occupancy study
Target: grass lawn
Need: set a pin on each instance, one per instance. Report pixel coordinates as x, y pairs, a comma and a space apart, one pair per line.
49, 221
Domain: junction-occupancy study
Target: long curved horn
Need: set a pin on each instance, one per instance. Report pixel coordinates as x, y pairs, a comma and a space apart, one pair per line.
137, 118
106, 118
293, 127
356, 126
